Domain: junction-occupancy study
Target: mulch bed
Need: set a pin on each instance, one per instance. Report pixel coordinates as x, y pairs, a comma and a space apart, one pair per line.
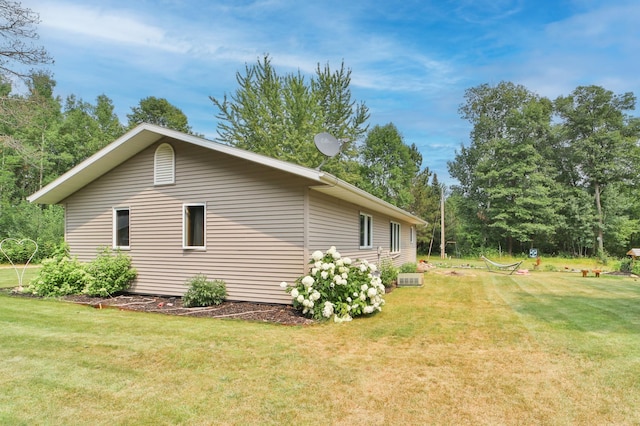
262, 312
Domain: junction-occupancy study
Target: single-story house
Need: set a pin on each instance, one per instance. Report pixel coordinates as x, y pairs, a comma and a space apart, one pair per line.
181, 205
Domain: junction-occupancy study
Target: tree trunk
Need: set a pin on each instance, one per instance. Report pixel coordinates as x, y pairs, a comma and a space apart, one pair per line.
600, 236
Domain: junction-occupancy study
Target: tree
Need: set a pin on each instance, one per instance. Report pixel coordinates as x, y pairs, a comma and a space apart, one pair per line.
17, 29
504, 178
389, 166
425, 193
278, 115
159, 111
600, 143
86, 128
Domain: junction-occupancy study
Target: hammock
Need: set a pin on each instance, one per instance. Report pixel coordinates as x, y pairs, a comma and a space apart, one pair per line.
511, 266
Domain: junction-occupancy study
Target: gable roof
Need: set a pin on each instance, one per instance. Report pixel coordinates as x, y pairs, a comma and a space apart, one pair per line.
144, 135
635, 252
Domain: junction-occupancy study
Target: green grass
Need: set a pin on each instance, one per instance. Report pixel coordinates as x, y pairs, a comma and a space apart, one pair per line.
9, 278
470, 348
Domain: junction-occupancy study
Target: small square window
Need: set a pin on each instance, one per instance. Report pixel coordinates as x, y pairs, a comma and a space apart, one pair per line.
121, 228
194, 225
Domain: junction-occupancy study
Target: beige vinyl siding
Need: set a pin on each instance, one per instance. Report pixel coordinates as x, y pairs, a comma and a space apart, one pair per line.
254, 220
334, 222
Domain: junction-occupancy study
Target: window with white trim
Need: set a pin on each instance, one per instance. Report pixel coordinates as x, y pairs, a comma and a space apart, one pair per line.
366, 231
164, 165
121, 225
394, 237
412, 234
194, 225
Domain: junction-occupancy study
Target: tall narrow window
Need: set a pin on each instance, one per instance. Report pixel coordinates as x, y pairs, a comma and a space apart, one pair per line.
121, 228
366, 231
394, 233
164, 165
194, 225
412, 234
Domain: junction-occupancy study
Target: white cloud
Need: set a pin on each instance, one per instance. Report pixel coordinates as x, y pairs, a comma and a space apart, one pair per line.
85, 23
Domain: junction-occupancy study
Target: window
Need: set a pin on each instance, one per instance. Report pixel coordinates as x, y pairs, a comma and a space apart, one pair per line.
366, 231
121, 228
164, 165
394, 240
193, 225
412, 235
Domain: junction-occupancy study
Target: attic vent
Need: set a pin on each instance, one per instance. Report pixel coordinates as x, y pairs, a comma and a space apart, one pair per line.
164, 167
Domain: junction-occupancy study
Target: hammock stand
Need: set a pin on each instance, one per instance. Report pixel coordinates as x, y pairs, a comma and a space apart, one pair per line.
509, 267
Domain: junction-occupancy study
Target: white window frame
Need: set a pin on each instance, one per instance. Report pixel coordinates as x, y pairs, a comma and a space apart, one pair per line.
412, 234
368, 231
185, 226
115, 228
164, 165
395, 231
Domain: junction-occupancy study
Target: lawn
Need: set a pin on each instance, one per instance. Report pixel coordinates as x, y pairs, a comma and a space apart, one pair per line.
467, 348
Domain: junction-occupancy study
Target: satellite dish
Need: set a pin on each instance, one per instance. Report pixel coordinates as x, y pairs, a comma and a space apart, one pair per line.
327, 144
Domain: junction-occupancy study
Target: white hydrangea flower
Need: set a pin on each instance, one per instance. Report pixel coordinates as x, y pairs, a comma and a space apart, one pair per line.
342, 319
326, 266
327, 310
331, 250
324, 275
314, 271
283, 284
335, 255
373, 268
364, 287
363, 268
340, 263
308, 281
372, 292
315, 295
346, 260
317, 255
368, 309
294, 293
318, 264
300, 298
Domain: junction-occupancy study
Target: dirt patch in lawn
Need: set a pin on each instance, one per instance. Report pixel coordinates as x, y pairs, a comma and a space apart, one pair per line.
262, 312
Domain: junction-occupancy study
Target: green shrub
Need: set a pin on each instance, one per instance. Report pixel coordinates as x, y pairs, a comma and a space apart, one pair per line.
59, 276
388, 273
550, 268
203, 292
626, 265
336, 287
408, 268
110, 272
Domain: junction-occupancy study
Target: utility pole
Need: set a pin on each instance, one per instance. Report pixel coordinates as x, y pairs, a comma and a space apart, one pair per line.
443, 255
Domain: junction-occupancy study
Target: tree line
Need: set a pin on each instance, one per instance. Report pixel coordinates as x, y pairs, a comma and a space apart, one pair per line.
558, 175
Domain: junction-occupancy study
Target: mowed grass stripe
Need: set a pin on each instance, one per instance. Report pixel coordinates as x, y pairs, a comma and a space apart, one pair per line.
467, 348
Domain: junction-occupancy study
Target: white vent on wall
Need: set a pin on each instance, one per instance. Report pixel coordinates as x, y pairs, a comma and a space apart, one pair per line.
164, 165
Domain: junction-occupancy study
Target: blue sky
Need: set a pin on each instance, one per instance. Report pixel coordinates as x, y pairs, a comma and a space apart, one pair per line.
411, 60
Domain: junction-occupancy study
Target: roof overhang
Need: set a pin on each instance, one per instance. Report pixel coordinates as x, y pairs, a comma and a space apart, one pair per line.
345, 191
145, 135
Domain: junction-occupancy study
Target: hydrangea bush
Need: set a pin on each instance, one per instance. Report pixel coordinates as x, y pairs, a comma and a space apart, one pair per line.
337, 287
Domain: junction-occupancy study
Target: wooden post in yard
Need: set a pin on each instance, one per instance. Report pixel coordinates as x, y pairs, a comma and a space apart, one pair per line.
443, 255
